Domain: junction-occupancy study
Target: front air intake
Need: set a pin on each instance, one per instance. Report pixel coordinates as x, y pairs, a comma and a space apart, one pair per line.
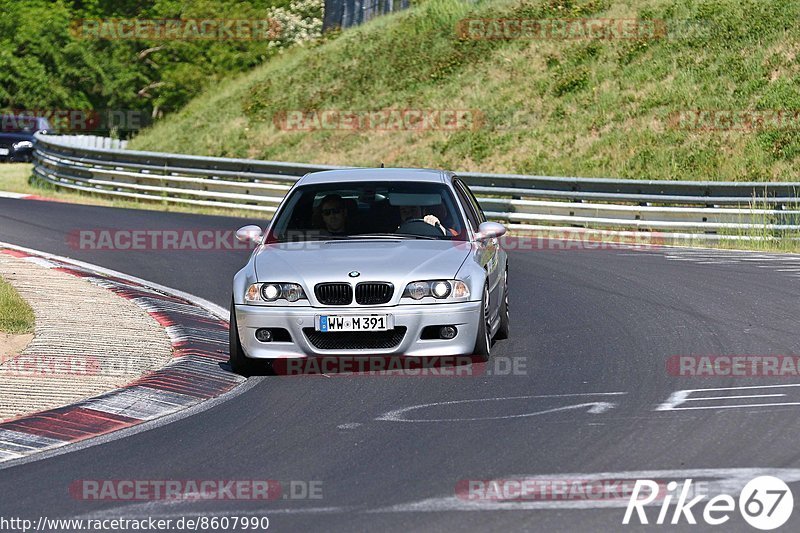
334, 293
373, 293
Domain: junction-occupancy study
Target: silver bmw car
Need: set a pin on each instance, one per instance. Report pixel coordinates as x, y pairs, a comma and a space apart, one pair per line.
379, 261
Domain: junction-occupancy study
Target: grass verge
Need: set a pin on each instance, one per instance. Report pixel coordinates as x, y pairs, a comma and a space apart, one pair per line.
766, 231
16, 316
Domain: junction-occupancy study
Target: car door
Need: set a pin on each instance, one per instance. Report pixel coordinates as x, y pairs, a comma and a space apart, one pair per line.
489, 254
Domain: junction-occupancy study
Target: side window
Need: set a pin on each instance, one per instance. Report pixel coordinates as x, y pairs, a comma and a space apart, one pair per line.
473, 201
464, 200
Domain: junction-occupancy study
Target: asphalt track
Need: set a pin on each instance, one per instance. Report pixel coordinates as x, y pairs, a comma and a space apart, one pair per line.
585, 323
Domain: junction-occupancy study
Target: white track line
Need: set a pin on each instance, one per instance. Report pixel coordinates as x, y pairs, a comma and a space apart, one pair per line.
16, 195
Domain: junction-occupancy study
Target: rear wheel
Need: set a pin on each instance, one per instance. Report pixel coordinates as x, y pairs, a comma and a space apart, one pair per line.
502, 331
240, 363
483, 343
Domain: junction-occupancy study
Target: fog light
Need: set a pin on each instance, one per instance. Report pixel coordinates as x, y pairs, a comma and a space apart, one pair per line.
447, 332
264, 335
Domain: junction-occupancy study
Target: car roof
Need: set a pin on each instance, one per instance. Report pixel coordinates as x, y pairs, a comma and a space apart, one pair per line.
375, 174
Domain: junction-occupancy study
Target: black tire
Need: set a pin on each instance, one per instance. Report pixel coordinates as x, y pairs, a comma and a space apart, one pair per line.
240, 363
502, 331
483, 343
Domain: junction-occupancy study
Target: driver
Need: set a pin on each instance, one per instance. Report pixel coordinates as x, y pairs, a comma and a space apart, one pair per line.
411, 212
414, 212
334, 215
439, 211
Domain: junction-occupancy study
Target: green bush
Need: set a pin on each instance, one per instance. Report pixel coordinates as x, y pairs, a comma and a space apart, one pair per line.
45, 66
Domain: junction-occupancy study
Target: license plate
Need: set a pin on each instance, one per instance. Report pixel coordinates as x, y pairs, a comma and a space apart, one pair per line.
3, 151
354, 323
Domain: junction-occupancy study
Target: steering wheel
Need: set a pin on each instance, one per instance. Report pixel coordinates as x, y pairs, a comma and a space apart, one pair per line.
418, 226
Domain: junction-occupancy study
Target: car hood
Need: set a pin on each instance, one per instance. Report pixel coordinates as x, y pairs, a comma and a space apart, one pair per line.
397, 261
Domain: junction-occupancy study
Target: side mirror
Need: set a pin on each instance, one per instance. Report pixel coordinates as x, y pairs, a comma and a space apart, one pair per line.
490, 230
251, 234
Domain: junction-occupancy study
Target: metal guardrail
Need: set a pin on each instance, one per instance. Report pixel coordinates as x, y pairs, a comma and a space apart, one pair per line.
682, 209
93, 141
347, 13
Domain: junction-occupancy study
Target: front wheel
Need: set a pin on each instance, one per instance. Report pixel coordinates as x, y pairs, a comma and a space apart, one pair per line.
240, 363
502, 331
483, 344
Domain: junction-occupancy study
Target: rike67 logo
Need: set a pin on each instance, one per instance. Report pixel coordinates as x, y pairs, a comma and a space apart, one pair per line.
765, 503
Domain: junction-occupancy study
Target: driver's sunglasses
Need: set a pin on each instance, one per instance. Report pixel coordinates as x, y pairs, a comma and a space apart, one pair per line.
331, 211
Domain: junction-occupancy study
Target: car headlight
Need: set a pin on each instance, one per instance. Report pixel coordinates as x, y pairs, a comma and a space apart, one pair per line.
272, 292
22, 145
439, 289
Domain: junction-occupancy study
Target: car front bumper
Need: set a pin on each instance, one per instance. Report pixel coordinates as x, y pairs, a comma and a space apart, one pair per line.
465, 316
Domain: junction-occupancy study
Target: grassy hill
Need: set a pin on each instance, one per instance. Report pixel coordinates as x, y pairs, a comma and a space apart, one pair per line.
585, 107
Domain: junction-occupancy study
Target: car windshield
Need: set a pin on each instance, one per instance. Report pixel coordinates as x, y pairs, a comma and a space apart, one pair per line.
411, 210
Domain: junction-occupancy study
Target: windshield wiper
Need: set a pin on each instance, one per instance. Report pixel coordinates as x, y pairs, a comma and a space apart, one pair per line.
394, 236
351, 237
365, 236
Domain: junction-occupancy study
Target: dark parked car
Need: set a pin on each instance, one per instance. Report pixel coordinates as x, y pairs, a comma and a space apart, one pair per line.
17, 136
